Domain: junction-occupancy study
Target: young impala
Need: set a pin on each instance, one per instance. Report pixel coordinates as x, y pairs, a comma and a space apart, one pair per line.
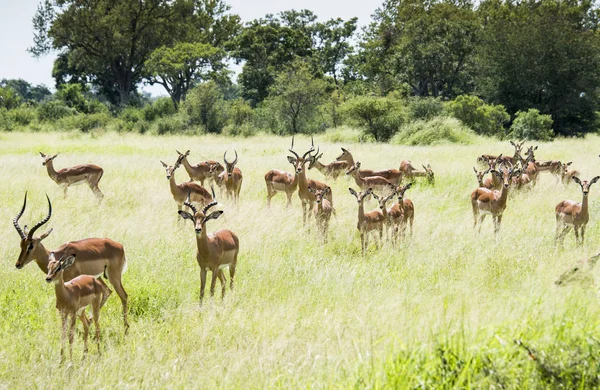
480, 175
201, 171
394, 176
231, 178
216, 250
73, 297
95, 256
377, 183
411, 172
79, 174
179, 191
277, 180
573, 215
388, 224
403, 212
322, 210
566, 174
332, 170
373, 221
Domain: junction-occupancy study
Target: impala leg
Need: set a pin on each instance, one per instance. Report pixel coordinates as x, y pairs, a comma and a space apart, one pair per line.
582, 234
65, 191
107, 292
213, 281
481, 218
289, 199
497, 224
223, 283
576, 229
115, 280
202, 283
63, 338
86, 328
96, 305
72, 334
303, 213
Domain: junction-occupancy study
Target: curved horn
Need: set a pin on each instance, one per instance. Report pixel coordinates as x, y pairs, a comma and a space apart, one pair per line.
188, 203
16, 219
225, 157
236, 157
312, 147
211, 204
38, 225
290, 149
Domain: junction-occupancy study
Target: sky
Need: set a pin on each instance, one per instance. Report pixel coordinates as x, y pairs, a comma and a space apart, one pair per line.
16, 30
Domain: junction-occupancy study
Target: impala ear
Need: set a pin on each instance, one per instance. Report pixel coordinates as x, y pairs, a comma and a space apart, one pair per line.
424, 167
185, 215
352, 190
68, 261
214, 215
42, 154
46, 234
311, 190
408, 186
576, 180
163, 164
569, 163
375, 196
345, 151
513, 144
594, 180
291, 160
327, 190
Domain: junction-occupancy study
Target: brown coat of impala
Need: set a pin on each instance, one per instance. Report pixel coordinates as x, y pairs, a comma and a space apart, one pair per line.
79, 174
277, 180
573, 215
491, 202
410, 172
367, 222
332, 170
566, 174
322, 210
215, 250
95, 256
377, 183
201, 171
231, 178
394, 176
73, 297
307, 198
180, 191
551, 166
404, 210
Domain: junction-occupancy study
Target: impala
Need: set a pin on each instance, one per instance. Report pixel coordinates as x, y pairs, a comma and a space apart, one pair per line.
95, 256
307, 198
493, 182
573, 215
332, 170
79, 174
73, 297
480, 175
231, 178
375, 182
411, 172
551, 166
406, 210
201, 171
277, 180
492, 202
322, 210
394, 176
216, 250
199, 194
367, 222
566, 174
387, 217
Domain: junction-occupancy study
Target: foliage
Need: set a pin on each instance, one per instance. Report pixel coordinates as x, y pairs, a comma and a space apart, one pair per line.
532, 125
435, 131
54, 110
159, 108
424, 108
25, 90
205, 107
240, 113
23, 115
9, 98
379, 117
297, 96
484, 119
73, 96
84, 122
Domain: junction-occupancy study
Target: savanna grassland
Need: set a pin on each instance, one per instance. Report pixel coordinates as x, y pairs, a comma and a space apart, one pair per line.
442, 309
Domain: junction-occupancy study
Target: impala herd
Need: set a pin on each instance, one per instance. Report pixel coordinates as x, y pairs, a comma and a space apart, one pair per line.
76, 267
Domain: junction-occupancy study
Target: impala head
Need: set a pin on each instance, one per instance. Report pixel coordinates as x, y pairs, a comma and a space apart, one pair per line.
585, 185
183, 155
200, 217
401, 190
215, 169
30, 244
319, 194
299, 162
518, 147
360, 196
578, 272
55, 267
230, 165
480, 175
171, 168
383, 200
353, 168
429, 173
506, 175
342, 157
47, 158
314, 159
530, 151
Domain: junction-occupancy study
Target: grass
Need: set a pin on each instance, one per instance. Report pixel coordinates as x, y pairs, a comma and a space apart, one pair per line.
440, 310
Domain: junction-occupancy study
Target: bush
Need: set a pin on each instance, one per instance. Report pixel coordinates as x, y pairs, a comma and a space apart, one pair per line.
266, 119
205, 107
170, 125
6, 122
343, 135
531, 125
54, 110
439, 130
9, 98
84, 122
240, 113
380, 117
22, 116
425, 108
484, 119
73, 96
160, 108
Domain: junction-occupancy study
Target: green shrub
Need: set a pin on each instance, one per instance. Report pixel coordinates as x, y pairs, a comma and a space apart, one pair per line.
344, 135
73, 96
484, 119
245, 130
439, 130
83, 122
9, 98
266, 119
160, 108
169, 125
424, 108
204, 106
6, 122
532, 125
22, 116
54, 110
380, 117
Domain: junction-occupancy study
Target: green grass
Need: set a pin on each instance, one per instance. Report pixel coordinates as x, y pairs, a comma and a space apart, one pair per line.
440, 310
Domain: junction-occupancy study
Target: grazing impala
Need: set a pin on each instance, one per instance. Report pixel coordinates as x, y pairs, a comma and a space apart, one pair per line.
179, 191
215, 251
95, 256
367, 222
307, 198
566, 174
282, 181
394, 176
332, 170
322, 210
201, 171
411, 172
231, 178
492, 202
375, 182
73, 297
573, 215
79, 174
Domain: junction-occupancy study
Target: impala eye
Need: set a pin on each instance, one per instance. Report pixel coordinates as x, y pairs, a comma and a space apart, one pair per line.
30, 247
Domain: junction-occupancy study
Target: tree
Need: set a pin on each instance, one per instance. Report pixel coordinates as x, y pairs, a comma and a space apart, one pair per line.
426, 45
333, 44
107, 42
27, 92
297, 95
542, 55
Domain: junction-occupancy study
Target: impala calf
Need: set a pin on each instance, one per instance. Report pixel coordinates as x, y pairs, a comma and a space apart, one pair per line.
480, 175
387, 217
204, 170
573, 215
406, 210
367, 222
322, 210
179, 191
95, 256
566, 174
79, 174
277, 180
215, 251
374, 182
394, 176
73, 297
